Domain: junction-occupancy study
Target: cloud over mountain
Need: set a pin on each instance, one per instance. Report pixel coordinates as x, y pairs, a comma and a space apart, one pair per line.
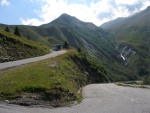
96, 11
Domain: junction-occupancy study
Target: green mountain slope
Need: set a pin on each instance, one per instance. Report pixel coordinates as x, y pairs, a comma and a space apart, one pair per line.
112, 24
93, 40
79, 33
139, 19
133, 38
33, 33
13, 47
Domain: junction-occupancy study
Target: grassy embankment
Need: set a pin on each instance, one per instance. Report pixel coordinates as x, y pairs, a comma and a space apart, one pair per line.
55, 81
13, 47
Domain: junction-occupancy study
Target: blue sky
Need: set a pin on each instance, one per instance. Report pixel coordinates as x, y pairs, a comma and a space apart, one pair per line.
37, 12
16, 9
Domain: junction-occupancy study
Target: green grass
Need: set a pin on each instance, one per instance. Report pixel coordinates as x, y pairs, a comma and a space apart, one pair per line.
24, 41
16, 47
37, 75
63, 75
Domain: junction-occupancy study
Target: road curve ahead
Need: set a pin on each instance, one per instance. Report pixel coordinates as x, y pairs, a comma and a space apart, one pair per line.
98, 98
30, 60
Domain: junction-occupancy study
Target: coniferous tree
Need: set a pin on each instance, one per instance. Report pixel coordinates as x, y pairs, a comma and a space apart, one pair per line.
7, 29
79, 49
66, 45
17, 32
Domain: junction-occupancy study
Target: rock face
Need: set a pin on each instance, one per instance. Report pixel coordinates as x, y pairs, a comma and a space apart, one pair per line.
126, 53
56, 98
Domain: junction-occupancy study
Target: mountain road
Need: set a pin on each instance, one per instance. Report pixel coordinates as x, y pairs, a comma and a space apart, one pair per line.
98, 98
11, 64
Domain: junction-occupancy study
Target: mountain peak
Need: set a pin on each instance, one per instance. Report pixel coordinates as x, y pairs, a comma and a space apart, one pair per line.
65, 18
148, 7
64, 15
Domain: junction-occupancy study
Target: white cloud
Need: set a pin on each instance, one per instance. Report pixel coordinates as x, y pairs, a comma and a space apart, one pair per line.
126, 2
4, 2
32, 21
120, 12
96, 12
145, 4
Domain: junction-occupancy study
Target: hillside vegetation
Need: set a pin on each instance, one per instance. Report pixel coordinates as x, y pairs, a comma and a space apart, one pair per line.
93, 40
133, 39
53, 81
13, 47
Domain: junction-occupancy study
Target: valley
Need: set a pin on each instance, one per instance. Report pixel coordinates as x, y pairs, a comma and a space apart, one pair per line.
94, 41
116, 51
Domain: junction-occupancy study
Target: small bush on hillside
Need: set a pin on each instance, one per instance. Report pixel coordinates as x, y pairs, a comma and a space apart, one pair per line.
7, 29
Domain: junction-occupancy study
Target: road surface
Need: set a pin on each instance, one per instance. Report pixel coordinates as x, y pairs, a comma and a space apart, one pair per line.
98, 98
29, 60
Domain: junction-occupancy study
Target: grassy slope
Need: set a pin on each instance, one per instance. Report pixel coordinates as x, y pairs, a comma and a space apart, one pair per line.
34, 33
134, 32
15, 47
54, 79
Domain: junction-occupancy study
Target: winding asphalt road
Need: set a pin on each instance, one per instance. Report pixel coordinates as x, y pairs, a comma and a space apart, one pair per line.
30, 60
98, 98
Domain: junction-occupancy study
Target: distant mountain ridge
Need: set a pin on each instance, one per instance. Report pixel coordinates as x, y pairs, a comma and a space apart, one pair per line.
67, 20
93, 40
133, 39
139, 19
112, 23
